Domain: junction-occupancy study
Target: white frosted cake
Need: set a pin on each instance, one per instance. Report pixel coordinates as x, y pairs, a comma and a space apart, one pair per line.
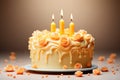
50, 50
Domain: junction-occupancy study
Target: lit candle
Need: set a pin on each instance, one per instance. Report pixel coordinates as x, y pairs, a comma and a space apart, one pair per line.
71, 26
61, 23
53, 25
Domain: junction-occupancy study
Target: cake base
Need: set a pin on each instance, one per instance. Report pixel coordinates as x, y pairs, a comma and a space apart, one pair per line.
57, 60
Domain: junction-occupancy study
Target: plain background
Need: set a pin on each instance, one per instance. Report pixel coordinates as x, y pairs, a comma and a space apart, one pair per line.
19, 18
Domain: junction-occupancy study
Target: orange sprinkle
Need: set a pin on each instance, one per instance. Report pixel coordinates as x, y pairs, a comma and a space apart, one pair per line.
96, 72
78, 66
78, 74
104, 69
65, 67
101, 58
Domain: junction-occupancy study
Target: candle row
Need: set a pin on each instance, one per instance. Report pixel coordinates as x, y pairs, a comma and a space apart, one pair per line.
62, 24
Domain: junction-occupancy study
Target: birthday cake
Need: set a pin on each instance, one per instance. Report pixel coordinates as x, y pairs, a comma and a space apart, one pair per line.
61, 48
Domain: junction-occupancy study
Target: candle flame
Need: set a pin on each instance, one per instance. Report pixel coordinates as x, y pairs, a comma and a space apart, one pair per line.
71, 17
61, 13
53, 17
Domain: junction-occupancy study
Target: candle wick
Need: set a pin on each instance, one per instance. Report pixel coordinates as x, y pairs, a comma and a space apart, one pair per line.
52, 17
71, 18
53, 20
61, 17
61, 13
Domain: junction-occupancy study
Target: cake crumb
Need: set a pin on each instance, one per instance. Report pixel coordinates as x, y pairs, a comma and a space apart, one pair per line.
34, 66
7, 74
68, 76
28, 73
78, 74
113, 72
9, 68
20, 70
58, 76
5, 61
88, 74
104, 69
12, 56
112, 56
14, 76
16, 67
46, 75
10, 75
78, 66
110, 61
96, 71
0, 71
13, 53
101, 58
61, 74
117, 69
42, 76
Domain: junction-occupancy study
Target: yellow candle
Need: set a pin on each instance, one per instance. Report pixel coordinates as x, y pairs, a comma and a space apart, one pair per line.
61, 23
53, 25
71, 26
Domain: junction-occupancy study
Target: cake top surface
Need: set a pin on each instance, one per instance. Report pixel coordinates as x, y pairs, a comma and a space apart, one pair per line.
43, 38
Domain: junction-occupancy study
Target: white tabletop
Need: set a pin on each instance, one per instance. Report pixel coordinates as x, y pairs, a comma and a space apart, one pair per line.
23, 59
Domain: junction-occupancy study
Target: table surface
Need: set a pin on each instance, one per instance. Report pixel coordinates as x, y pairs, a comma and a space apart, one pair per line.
22, 59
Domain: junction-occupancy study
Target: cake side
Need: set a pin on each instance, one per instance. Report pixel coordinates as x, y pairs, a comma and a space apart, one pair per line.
52, 50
